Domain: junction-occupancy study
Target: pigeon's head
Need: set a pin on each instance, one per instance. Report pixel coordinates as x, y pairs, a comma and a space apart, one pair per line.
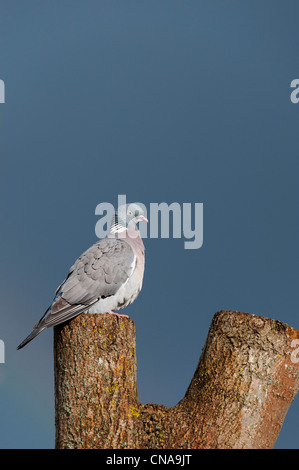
127, 216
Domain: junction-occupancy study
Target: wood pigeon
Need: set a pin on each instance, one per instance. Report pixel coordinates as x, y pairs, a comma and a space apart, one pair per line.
106, 277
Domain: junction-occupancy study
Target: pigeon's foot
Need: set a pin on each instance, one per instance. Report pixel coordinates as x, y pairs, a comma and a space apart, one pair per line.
118, 314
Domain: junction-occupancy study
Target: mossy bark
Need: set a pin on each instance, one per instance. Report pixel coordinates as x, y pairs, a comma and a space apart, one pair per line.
241, 390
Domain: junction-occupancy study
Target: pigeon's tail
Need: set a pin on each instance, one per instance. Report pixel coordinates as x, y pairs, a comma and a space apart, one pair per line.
35, 331
32, 335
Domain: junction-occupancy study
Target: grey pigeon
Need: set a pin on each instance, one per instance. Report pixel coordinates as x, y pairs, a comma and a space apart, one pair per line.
106, 277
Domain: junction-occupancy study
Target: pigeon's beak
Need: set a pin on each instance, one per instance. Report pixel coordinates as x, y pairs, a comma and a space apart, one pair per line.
142, 218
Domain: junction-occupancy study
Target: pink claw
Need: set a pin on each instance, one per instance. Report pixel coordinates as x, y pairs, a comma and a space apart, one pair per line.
119, 314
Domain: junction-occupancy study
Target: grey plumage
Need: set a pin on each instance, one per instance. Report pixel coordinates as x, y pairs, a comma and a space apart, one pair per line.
108, 276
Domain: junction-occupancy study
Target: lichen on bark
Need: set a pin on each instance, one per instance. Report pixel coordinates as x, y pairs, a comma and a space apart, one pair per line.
241, 390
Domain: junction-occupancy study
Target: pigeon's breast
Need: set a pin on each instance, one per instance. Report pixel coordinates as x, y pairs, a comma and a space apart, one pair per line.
128, 291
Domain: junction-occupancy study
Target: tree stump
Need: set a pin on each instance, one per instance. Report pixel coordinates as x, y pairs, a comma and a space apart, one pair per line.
245, 381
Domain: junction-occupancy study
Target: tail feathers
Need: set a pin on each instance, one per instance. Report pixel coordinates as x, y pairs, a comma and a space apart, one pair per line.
31, 336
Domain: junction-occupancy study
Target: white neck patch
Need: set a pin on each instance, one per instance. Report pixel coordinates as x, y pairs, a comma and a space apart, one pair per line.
117, 228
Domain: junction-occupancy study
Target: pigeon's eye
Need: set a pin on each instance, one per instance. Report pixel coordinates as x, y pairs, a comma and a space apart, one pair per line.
130, 213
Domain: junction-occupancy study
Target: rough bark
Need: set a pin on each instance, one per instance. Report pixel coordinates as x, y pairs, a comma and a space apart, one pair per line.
241, 390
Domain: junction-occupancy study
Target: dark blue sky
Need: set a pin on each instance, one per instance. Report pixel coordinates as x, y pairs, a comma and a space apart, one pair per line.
165, 102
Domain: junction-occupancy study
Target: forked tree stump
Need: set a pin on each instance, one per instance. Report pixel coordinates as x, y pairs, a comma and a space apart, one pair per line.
245, 381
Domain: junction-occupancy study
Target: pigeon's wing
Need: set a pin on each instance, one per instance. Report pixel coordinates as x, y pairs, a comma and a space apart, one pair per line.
98, 273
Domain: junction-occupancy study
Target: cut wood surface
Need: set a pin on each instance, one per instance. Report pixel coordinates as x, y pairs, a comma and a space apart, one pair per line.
239, 395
